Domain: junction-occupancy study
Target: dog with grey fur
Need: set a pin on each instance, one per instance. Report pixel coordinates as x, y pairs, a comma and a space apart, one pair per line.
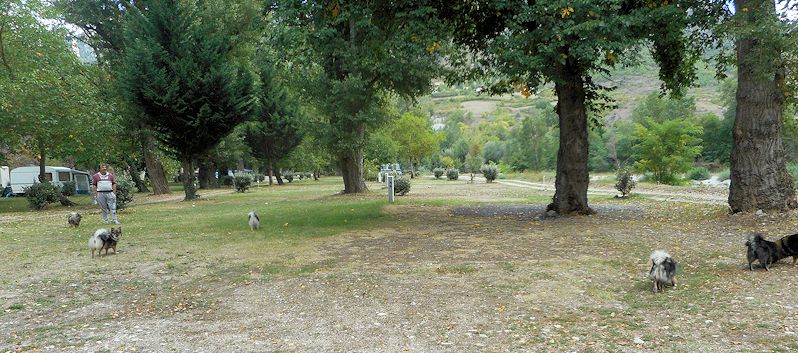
663, 270
769, 252
104, 239
73, 218
254, 221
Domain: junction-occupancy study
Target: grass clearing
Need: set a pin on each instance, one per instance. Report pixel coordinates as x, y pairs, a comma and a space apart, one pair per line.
453, 266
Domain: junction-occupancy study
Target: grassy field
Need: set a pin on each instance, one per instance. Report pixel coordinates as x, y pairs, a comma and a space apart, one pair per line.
452, 267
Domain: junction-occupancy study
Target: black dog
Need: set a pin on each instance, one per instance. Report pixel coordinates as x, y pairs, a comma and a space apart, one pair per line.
769, 252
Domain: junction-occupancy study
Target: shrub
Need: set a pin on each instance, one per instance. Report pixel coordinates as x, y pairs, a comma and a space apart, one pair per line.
489, 171
724, 175
226, 180
452, 174
68, 188
39, 195
699, 173
401, 186
125, 189
792, 168
288, 175
625, 182
242, 182
308, 175
259, 177
438, 172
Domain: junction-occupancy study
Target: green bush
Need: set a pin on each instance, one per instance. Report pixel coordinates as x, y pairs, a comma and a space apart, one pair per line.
489, 171
699, 173
793, 169
452, 174
288, 175
68, 188
259, 178
39, 195
242, 182
438, 172
724, 175
125, 189
625, 183
401, 186
226, 180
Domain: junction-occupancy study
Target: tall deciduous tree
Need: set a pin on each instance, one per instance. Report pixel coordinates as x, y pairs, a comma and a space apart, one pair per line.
50, 104
568, 44
365, 51
759, 177
101, 21
415, 139
186, 68
666, 149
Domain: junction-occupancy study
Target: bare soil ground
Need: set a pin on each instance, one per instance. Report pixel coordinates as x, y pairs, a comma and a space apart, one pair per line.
480, 271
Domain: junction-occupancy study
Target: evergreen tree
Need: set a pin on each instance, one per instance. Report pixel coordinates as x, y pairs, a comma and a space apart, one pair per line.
186, 68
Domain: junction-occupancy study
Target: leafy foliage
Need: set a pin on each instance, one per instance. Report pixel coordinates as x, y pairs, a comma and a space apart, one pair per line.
667, 149
401, 186
359, 53
125, 189
698, 173
185, 67
68, 188
624, 182
242, 182
452, 174
438, 172
490, 172
40, 195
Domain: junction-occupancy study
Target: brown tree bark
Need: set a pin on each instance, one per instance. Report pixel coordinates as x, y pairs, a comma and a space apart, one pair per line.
42, 162
759, 177
134, 174
351, 164
352, 171
207, 174
188, 178
152, 162
572, 179
278, 176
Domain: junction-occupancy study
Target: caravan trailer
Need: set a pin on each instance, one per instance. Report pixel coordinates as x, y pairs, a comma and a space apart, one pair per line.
26, 176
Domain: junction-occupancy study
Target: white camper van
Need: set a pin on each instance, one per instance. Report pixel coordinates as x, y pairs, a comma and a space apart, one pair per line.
26, 176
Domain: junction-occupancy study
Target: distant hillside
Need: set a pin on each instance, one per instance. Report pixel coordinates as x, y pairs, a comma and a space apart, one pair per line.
632, 84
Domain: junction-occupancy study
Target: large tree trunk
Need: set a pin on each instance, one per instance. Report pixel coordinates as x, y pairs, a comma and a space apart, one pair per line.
351, 164
133, 170
154, 167
570, 195
271, 171
278, 176
759, 177
42, 162
188, 178
352, 170
207, 174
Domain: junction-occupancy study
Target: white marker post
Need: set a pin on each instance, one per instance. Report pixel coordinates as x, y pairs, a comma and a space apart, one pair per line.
389, 180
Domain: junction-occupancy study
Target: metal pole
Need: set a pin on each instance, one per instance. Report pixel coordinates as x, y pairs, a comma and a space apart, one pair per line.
390, 188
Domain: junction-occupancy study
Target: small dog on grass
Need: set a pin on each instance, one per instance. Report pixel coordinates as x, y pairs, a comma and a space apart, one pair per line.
254, 221
663, 270
104, 239
769, 252
73, 218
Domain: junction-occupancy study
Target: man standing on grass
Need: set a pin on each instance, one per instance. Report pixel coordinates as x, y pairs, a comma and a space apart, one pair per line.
103, 185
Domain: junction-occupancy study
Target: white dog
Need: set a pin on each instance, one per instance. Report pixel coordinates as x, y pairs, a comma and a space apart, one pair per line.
254, 221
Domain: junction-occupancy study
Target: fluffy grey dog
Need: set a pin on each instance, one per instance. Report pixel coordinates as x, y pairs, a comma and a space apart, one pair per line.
254, 221
104, 239
663, 270
74, 219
